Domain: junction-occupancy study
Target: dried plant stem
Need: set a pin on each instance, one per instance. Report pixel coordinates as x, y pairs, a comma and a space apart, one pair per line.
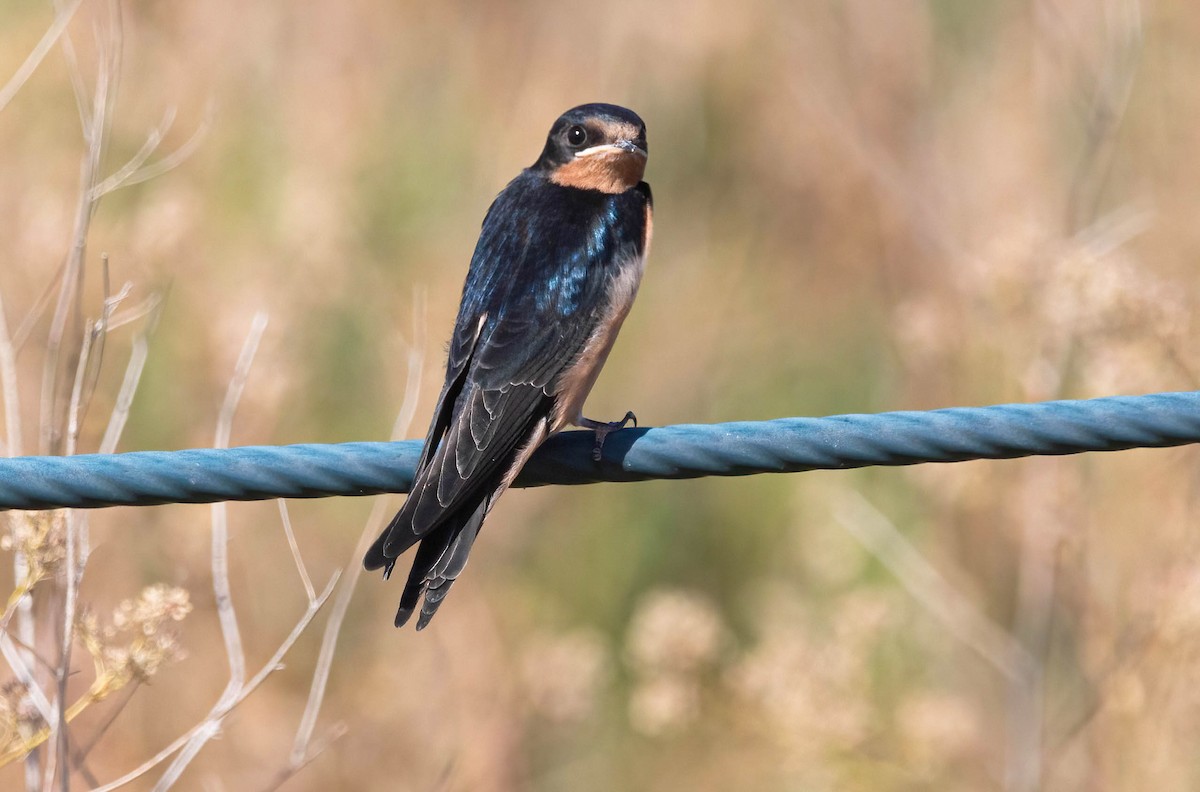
1032, 623
61, 412
77, 396
95, 341
96, 120
61, 19
36, 311
95, 693
188, 745
226, 614
76, 550
20, 603
19, 660
295, 548
81, 751
211, 724
76, 538
1107, 107
137, 173
67, 311
133, 369
302, 749
75, 562
237, 383
963, 620
153, 140
13, 444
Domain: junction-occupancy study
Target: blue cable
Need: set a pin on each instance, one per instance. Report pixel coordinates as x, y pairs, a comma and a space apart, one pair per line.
784, 445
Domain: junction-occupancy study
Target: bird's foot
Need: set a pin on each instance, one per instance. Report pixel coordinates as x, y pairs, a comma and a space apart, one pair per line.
602, 430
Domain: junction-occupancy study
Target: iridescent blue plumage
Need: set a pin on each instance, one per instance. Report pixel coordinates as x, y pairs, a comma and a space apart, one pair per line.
552, 277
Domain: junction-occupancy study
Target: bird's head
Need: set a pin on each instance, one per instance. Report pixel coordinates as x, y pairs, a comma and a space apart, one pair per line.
595, 147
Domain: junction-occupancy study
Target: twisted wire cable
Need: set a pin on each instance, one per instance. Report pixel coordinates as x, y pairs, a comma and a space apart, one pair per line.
784, 445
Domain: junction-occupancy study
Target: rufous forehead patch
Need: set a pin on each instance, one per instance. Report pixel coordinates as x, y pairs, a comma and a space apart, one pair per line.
615, 130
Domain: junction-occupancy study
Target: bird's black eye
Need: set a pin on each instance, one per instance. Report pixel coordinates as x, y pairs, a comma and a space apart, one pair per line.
576, 135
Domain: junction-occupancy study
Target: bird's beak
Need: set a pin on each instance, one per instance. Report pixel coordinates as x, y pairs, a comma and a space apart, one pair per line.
620, 147
631, 147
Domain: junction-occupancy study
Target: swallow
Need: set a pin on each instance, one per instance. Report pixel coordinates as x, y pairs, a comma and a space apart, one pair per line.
554, 274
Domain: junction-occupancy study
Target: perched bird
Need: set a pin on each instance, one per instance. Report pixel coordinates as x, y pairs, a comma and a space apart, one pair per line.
553, 276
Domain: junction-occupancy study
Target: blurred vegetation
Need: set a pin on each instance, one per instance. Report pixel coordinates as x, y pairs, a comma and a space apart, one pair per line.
859, 206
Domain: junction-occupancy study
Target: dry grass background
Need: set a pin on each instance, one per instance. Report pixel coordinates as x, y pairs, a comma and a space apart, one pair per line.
860, 206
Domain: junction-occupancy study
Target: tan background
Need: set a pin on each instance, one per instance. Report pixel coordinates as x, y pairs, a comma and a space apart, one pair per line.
861, 206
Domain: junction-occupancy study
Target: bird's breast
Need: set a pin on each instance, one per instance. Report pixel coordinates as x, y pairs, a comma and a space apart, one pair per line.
575, 382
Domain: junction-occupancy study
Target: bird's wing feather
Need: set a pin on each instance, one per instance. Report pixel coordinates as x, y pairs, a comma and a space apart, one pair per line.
505, 396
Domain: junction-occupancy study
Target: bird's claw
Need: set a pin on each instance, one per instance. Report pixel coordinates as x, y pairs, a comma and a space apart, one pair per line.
603, 429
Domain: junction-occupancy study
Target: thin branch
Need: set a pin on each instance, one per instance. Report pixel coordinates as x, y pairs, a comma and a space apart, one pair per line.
206, 731
41, 662
1037, 584
110, 46
133, 376
175, 158
1107, 108
220, 711
415, 367
335, 732
35, 313
101, 329
75, 562
87, 371
23, 611
147, 307
118, 179
961, 618
291, 537
238, 382
79, 757
276, 661
73, 417
76, 550
26, 69
301, 750
24, 674
226, 614
220, 522
74, 73
67, 307
9, 391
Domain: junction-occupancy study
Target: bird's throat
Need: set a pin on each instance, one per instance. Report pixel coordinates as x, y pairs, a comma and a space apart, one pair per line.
609, 170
